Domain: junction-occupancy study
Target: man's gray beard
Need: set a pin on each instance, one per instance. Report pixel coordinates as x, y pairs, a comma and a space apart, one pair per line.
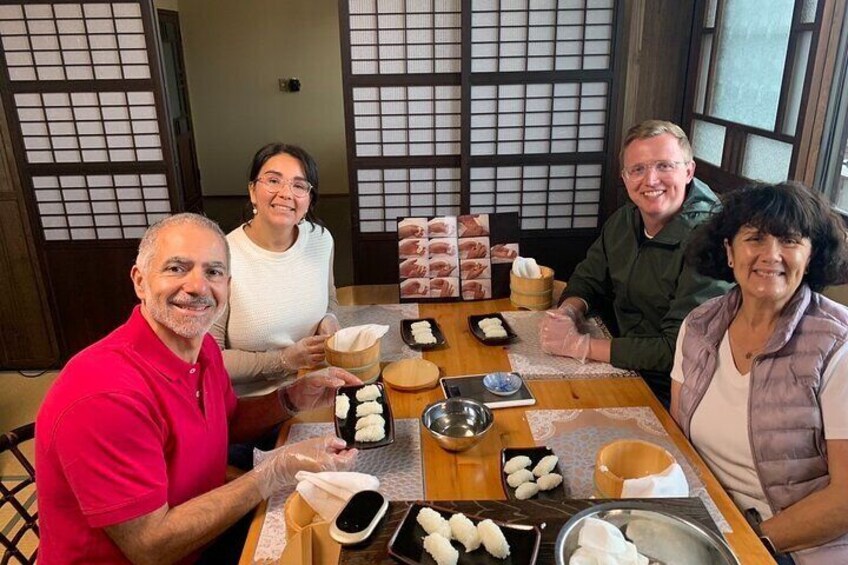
187, 328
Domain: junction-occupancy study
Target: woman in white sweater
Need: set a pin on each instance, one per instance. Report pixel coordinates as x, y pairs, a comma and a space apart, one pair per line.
282, 276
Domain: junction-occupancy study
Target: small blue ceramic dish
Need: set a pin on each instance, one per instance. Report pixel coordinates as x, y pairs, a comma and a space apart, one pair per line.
502, 384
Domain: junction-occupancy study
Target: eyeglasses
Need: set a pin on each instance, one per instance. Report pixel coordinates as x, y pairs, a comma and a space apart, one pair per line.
274, 185
639, 170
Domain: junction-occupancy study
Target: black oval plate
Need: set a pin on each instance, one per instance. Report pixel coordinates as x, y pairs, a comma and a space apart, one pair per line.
478, 333
535, 454
407, 545
346, 429
409, 339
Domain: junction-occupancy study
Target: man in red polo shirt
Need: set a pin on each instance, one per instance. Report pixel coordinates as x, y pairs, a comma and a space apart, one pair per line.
131, 447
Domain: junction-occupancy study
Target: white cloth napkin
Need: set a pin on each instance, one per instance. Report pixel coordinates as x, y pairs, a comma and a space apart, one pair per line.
328, 492
357, 338
669, 483
526, 268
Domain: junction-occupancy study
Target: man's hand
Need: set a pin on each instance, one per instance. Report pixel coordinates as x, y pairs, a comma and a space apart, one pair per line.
306, 352
559, 334
326, 453
315, 390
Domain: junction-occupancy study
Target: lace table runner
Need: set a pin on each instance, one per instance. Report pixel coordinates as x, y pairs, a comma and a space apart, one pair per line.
398, 466
577, 435
392, 347
526, 355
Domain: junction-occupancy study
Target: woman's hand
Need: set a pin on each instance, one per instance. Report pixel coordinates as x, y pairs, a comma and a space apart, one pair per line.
411, 247
328, 325
306, 352
315, 390
472, 250
410, 269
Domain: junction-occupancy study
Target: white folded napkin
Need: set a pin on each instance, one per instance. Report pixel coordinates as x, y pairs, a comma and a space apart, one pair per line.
357, 338
526, 268
669, 483
328, 492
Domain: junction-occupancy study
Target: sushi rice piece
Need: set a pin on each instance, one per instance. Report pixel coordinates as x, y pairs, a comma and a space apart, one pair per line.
421, 324
493, 539
440, 548
516, 464
526, 490
495, 332
519, 477
370, 433
433, 522
369, 392
545, 465
370, 420
367, 408
465, 532
342, 406
489, 322
549, 481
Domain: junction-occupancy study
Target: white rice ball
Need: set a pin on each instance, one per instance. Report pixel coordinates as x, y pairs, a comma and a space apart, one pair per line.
489, 323
366, 408
369, 392
493, 539
342, 406
433, 522
526, 490
516, 463
549, 481
441, 549
421, 324
370, 433
494, 332
519, 477
464, 531
370, 420
425, 339
545, 465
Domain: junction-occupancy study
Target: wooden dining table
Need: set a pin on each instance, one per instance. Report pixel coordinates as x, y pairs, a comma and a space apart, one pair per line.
475, 474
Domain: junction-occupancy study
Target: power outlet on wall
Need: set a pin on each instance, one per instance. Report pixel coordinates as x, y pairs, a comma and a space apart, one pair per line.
289, 84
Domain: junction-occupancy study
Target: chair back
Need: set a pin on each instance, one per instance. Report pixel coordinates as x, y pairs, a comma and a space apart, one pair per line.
18, 508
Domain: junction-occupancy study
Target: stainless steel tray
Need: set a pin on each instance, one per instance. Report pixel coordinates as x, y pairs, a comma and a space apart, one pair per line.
666, 538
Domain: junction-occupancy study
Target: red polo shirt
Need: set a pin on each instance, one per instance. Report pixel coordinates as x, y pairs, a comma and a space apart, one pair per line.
126, 428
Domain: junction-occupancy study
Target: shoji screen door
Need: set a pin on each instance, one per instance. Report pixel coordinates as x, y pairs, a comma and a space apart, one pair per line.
82, 91
457, 106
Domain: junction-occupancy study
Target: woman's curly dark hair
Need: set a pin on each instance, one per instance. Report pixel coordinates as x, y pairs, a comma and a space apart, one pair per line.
310, 169
784, 209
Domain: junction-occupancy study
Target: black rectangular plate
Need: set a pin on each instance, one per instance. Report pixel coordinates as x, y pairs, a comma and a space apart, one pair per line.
471, 386
407, 544
478, 333
346, 429
408, 339
535, 454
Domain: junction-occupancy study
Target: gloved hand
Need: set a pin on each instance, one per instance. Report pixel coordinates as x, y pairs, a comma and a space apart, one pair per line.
328, 326
315, 390
326, 453
306, 352
560, 334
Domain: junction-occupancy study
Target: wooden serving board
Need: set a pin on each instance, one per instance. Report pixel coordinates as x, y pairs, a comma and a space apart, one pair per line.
411, 374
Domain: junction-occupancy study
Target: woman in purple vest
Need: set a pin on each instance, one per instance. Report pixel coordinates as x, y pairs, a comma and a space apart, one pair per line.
760, 377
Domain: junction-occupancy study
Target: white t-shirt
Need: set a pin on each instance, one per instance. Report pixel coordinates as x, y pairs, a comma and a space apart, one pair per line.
719, 428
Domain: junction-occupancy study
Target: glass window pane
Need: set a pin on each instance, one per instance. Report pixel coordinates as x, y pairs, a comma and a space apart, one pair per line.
708, 141
766, 159
750, 60
796, 85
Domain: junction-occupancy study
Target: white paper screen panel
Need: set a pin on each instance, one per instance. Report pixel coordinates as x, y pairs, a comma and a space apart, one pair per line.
107, 206
387, 194
545, 196
538, 118
74, 41
405, 36
400, 121
89, 127
541, 35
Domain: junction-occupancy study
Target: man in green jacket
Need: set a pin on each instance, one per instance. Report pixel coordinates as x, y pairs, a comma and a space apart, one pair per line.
637, 263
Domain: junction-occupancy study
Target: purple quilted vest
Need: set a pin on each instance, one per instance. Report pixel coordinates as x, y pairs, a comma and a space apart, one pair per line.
785, 422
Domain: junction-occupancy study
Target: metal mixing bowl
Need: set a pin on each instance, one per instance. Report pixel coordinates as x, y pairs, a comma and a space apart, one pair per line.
457, 423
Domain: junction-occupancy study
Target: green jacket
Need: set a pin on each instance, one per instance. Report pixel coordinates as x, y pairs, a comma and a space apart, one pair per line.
650, 287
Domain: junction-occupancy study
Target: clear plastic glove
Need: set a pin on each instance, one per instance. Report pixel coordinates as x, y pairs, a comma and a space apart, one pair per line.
560, 334
328, 326
326, 453
306, 352
315, 390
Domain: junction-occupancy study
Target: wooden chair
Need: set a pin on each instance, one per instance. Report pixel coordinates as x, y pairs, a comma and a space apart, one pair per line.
18, 536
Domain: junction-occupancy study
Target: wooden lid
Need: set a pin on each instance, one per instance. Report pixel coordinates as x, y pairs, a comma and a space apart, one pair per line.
411, 374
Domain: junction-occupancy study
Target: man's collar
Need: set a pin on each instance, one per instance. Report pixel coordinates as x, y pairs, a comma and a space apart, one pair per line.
147, 344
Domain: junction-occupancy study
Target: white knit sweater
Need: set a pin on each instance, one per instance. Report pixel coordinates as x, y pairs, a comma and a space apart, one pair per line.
275, 300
